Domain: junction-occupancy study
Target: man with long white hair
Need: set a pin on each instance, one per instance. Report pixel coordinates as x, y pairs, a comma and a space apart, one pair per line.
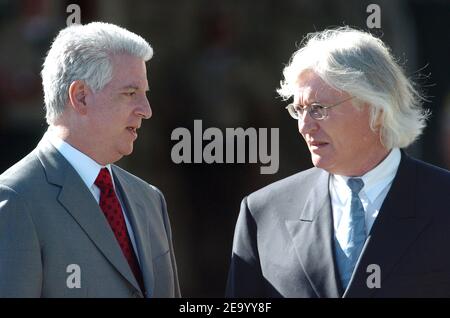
367, 220
72, 224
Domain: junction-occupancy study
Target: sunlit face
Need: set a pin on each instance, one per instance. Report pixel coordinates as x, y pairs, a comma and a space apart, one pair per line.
115, 113
343, 143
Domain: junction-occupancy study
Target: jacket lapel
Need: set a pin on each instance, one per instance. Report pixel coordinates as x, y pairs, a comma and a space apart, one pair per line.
312, 236
137, 216
394, 230
76, 198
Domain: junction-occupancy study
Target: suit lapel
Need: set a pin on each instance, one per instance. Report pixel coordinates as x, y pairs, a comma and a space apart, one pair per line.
312, 236
137, 216
394, 230
76, 198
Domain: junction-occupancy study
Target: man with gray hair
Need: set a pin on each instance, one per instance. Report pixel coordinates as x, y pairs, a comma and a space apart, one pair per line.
72, 224
368, 220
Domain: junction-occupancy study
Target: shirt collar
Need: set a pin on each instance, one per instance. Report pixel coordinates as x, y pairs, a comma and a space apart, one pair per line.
375, 180
86, 167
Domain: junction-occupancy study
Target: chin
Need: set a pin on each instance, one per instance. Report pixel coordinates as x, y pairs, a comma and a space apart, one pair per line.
127, 151
316, 160
122, 152
321, 162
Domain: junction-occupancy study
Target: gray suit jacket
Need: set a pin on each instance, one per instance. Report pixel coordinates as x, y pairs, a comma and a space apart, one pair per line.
283, 243
49, 220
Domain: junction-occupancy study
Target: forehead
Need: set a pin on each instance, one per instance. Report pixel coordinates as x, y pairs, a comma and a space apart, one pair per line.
128, 71
311, 87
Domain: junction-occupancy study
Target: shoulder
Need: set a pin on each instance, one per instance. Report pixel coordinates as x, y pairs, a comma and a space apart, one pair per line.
293, 188
18, 185
137, 183
423, 186
23, 174
431, 172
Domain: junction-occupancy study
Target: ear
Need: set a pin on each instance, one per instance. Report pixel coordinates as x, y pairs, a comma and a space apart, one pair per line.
78, 91
379, 120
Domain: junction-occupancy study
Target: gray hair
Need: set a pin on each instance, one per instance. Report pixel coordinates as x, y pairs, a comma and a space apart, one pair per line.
83, 52
360, 64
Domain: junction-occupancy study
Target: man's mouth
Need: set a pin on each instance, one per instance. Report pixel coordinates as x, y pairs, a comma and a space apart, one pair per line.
318, 144
133, 131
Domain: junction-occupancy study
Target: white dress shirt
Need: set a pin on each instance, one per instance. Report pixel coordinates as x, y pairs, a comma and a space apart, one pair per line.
377, 183
88, 169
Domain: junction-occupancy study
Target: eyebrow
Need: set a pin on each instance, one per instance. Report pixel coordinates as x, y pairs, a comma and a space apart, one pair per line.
305, 105
135, 87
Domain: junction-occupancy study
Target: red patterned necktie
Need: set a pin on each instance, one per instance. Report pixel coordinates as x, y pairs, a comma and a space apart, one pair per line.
109, 203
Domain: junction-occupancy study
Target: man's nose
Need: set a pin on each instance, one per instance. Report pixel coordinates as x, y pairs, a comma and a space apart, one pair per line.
144, 110
306, 124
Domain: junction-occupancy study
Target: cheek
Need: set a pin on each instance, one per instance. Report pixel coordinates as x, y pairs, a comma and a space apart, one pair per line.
344, 138
359, 126
367, 135
360, 140
113, 118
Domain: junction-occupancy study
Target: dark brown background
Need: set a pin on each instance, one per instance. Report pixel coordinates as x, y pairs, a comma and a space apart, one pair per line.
218, 61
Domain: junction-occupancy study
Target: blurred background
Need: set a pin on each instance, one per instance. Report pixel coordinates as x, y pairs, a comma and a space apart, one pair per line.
220, 62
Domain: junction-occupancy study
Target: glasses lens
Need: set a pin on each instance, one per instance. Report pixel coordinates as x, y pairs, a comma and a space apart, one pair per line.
317, 111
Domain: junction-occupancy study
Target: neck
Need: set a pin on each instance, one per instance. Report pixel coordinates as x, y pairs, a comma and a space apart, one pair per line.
60, 131
374, 160
82, 144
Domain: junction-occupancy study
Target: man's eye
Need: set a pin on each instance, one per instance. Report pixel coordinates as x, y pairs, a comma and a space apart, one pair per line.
130, 93
316, 107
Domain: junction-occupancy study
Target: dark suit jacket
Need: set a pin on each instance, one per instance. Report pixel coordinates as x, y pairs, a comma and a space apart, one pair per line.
49, 220
283, 243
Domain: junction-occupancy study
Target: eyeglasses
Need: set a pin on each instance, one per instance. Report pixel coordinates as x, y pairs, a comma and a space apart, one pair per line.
315, 110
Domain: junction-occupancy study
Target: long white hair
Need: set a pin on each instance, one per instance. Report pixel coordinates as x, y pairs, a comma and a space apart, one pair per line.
360, 64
